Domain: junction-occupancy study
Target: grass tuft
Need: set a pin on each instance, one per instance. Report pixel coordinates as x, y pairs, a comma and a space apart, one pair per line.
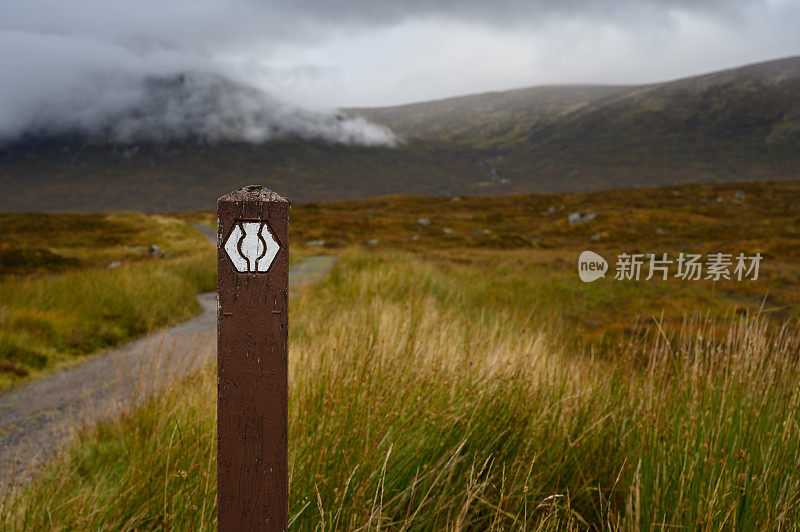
414, 408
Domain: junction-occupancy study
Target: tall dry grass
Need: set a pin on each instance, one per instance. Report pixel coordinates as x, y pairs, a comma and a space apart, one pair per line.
415, 408
48, 321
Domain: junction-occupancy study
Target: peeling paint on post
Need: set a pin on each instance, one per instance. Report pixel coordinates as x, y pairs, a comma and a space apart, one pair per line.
252, 362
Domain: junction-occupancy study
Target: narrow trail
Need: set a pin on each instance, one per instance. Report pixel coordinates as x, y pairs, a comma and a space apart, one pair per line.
38, 419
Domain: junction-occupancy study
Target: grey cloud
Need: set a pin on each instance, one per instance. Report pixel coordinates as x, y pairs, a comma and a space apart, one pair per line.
206, 24
76, 78
110, 66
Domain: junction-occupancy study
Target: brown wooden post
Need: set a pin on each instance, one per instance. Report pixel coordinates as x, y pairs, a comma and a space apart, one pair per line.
252, 363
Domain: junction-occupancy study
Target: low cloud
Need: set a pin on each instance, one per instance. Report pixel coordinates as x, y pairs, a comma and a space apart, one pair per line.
57, 85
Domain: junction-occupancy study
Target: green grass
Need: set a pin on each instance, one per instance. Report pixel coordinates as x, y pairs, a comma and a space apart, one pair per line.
414, 405
453, 380
56, 311
509, 238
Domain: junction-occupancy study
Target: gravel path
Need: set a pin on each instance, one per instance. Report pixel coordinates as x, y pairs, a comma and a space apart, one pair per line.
37, 420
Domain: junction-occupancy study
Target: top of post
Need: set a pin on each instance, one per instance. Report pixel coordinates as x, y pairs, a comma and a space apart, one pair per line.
255, 193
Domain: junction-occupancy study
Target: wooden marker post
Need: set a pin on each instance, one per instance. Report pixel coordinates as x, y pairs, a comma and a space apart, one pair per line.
252, 363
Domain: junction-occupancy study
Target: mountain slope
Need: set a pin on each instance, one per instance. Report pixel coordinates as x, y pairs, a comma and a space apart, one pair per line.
736, 125
723, 105
487, 119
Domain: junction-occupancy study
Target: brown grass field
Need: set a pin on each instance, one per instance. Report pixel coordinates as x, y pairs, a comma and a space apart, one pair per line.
457, 375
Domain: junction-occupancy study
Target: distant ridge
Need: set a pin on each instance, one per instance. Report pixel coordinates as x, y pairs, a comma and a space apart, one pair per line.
741, 124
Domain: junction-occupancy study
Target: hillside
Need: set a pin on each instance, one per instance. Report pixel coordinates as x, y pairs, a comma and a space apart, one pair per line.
732, 125
490, 120
736, 125
762, 93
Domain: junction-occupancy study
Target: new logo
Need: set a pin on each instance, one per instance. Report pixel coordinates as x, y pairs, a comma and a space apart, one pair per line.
591, 266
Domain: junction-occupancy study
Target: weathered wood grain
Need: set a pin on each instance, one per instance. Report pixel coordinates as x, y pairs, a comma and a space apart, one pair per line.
252, 387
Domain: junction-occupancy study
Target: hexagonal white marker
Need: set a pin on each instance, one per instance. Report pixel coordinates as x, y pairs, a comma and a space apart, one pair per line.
251, 247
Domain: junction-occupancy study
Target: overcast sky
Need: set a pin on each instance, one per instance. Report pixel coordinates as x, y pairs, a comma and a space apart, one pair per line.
442, 48
326, 53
